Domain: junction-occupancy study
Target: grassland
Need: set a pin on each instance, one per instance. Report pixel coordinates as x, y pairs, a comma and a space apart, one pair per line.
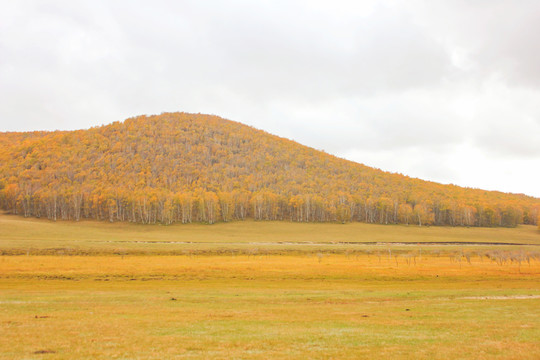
320, 297
36, 235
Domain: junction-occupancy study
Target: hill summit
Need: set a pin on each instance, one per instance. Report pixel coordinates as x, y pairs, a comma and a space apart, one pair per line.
180, 167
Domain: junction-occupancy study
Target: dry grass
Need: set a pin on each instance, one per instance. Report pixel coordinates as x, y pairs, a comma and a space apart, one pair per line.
259, 307
319, 299
27, 235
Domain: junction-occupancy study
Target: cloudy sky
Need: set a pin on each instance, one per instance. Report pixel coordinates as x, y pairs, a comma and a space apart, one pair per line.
441, 90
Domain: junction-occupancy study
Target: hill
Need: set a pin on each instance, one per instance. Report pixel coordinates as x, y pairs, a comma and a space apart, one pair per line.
179, 167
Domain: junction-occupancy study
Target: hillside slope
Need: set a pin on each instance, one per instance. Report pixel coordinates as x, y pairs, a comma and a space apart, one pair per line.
179, 167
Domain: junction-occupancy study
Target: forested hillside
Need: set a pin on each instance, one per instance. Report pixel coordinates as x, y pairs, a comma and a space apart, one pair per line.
179, 167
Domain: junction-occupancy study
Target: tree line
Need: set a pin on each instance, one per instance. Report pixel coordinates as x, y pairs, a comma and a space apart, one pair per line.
182, 168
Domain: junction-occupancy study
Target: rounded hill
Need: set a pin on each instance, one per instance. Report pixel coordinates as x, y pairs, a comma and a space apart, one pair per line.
180, 167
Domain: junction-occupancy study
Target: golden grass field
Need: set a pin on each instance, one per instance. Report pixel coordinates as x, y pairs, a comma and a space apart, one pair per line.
36, 235
84, 299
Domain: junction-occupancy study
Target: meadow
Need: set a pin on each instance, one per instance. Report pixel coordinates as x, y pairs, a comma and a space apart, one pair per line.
257, 290
40, 236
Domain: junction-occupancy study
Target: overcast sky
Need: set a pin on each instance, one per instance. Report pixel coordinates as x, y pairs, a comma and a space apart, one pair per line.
447, 91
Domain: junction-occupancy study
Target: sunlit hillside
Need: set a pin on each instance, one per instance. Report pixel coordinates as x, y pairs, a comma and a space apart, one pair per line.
179, 167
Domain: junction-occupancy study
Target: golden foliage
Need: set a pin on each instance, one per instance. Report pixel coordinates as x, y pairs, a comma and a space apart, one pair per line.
179, 167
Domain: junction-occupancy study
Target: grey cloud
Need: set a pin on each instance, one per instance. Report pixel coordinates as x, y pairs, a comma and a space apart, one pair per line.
383, 52
498, 37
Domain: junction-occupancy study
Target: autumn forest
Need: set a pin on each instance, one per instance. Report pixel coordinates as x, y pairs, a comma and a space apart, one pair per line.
182, 168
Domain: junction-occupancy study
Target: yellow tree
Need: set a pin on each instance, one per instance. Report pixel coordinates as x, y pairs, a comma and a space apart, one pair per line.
405, 212
422, 214
226, 203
